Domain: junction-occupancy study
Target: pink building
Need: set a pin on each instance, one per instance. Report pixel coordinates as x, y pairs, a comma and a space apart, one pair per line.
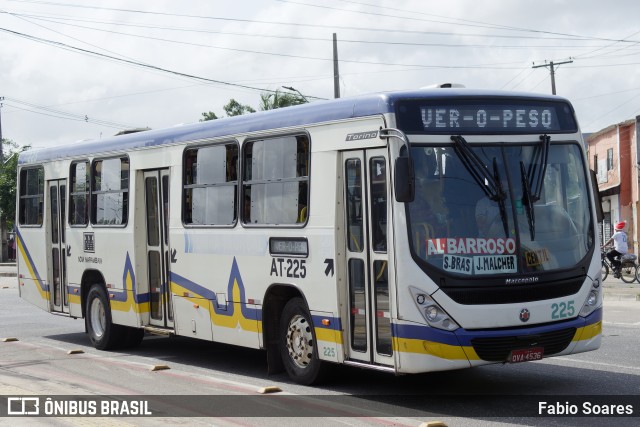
613, 154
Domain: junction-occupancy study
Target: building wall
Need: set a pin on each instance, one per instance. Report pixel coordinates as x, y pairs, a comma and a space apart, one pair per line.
618, 183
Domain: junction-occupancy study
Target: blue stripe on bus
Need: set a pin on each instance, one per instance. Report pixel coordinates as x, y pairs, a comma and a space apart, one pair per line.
463, 337
31, 265
227, 310
334, 322
425, 333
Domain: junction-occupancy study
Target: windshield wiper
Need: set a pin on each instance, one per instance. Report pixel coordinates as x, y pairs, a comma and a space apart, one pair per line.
538, 167
528, 203
490, 184
501, 196
533, 180
476, 167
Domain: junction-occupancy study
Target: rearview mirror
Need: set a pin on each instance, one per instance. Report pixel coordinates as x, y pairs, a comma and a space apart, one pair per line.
596, 196
404, 180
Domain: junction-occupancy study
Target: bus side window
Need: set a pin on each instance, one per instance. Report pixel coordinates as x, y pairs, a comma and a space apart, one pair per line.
110, 191
210, 185
276, 181
79, 200
31, 196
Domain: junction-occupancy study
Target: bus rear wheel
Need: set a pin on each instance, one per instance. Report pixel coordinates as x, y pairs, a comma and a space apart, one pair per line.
298, 344
104, 335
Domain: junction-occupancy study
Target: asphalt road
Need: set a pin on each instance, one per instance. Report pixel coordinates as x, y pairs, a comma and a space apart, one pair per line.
39, 364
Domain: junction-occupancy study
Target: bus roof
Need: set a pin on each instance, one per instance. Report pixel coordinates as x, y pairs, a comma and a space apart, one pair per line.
299, 115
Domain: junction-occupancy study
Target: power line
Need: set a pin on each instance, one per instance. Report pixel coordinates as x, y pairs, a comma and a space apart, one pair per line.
59, 20
48, 111
496, 66
297, 24
481, 25
139, 64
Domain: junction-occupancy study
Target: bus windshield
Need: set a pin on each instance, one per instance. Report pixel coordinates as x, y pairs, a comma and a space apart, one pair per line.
500, 209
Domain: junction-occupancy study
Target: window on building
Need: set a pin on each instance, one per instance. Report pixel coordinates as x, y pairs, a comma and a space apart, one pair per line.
31, 195
595, 163
610, 159
210, 185
110, 191
275, 187
79, 200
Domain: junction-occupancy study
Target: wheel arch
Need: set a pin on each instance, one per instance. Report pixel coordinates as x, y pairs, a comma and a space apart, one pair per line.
89, 278
275, 298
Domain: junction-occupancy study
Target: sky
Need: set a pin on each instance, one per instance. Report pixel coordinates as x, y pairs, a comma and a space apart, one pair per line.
73, 70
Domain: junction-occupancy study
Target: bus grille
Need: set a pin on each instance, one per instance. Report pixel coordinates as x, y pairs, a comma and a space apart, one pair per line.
498, 349
513, 294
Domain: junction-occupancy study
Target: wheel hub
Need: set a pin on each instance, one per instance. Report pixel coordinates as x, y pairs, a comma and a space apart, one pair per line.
300, 341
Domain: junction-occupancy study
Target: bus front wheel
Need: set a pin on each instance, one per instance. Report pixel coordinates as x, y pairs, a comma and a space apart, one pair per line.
103, 334
298, 343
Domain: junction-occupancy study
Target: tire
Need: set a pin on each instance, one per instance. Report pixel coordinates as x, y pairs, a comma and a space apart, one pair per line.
298, 344
605, 271
629, 273
104, 335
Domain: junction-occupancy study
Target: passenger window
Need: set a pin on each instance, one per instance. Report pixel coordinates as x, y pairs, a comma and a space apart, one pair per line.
276, 181
110, 191
31, 196
79, 200
210, 185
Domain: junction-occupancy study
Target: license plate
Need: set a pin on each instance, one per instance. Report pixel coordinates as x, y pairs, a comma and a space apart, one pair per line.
526, 355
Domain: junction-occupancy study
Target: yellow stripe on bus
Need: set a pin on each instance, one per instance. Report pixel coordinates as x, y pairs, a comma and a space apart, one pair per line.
436, 349
328, 335
44, 294
232, 321
588, 332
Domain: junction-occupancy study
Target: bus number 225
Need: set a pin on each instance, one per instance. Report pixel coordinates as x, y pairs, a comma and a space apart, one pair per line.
287, 267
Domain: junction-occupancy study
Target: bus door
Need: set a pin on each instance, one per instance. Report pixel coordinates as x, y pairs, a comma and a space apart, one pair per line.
156, 191
57, 248
368, 333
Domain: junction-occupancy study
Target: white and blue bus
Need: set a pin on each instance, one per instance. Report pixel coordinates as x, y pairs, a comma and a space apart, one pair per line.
405, 232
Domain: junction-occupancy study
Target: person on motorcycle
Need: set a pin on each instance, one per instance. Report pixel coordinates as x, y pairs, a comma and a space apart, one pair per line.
620, 248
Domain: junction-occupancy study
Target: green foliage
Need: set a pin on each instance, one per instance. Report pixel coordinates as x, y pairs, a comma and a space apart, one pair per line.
208, 116
8, 181
234, 108
268, 101
277, 99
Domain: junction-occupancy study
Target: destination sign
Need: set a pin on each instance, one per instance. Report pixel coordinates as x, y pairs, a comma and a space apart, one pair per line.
493, 116
481, 117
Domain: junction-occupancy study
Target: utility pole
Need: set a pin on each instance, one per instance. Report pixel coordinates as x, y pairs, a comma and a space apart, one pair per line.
552, 66
336, 74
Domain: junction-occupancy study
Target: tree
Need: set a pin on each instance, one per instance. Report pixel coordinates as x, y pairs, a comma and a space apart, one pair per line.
232, 108
277, 99
8, 183
268, 101
208, 116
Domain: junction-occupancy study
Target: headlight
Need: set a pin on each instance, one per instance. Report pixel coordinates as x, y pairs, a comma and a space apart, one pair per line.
593, 301
431, 311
